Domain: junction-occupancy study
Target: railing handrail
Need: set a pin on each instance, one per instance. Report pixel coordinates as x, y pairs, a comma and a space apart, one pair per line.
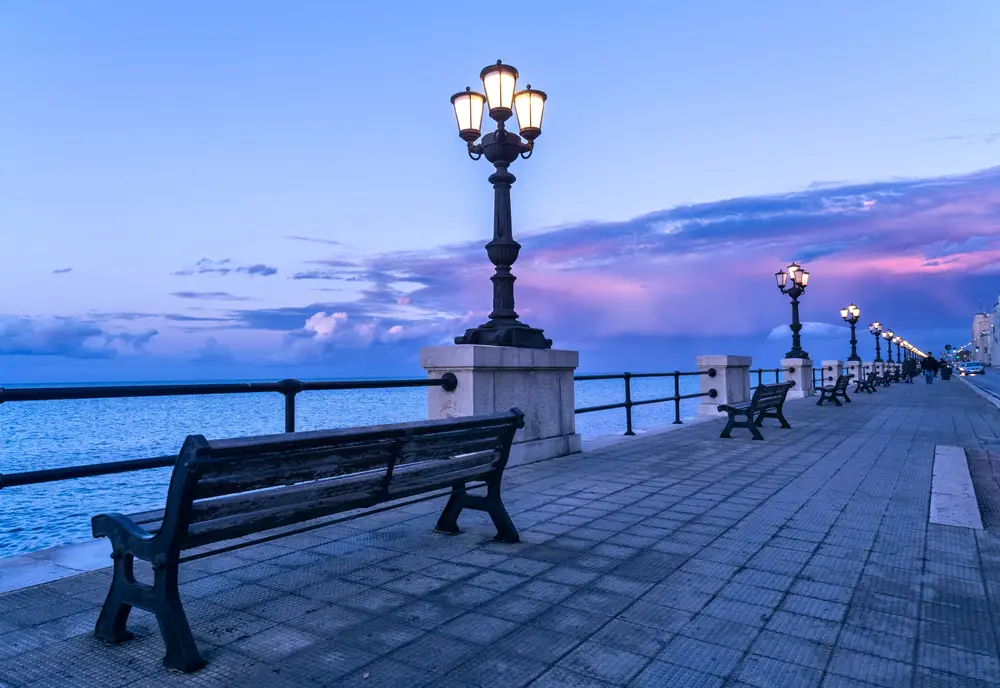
287, 386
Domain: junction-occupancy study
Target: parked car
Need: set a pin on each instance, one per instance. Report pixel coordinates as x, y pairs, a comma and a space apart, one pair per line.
972, 368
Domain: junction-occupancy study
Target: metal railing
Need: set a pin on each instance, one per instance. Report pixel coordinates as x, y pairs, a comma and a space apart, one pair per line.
820, 376
629, 403
761, 371
287, 388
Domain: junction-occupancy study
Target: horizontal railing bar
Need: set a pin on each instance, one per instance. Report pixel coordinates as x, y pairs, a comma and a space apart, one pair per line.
133, 391
85, 471
605, 407
622, 376
655, 401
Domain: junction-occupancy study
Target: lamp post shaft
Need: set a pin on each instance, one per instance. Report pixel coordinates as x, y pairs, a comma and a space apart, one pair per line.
502, 250
854, 345
878, 348
888, 346
796, 326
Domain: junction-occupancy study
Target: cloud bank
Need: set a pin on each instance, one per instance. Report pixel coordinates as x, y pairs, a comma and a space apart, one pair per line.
914, 254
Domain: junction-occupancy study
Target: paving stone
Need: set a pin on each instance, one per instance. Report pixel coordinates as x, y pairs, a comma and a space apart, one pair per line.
436, 652
792, 650
886, 645
723, 632
661, 674
610, 664
478, 628
953, 660
810, 628
500, 669
388, 673
701, 656
767, 672
867, 667
741, 612
810, 606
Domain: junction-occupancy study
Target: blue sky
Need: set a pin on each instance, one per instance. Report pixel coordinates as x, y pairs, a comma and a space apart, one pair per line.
158, 161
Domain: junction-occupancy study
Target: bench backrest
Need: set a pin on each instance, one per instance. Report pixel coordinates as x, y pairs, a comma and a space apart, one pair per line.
843, 381
223, 489
770, 396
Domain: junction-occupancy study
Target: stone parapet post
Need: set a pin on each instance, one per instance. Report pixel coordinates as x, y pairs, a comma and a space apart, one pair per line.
854, 368
799, 371
494, 379
832, 369
731, 382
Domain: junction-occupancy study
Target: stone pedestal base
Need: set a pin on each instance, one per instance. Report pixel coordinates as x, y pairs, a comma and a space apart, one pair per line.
493, 379
801, 374
854, 368
831, 371
731, 382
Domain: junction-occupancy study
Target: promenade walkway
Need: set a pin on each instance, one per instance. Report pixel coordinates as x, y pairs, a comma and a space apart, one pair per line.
668, 560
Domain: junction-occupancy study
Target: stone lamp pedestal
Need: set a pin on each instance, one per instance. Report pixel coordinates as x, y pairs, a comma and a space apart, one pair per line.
801, 374
494, 379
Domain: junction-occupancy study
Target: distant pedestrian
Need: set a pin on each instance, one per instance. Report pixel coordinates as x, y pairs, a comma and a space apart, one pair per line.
909, 371
930, 366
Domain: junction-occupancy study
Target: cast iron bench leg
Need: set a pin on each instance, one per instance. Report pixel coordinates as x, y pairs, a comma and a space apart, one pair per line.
448, 523
182, 653
506, 532
727, 432
491, 504
111, 624
781, 417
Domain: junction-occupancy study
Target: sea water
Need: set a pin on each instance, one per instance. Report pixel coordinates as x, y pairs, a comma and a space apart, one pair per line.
50, 434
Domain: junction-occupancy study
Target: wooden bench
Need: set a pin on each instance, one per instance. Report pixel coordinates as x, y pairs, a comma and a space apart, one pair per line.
766, 402
866, 384
836, 391
885, 379
226, 489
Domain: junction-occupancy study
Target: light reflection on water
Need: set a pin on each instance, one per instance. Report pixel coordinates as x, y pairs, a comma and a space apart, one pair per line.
49, 434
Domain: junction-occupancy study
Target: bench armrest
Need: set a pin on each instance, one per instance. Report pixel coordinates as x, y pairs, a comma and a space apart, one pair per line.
124, 534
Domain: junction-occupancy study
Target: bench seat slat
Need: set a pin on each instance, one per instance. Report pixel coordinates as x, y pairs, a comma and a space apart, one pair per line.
244, 448
277, 470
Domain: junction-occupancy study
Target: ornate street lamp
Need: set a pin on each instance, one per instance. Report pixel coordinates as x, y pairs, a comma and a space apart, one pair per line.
876, 329
501, 147
850, 315
887, 335
897, 341
797, 280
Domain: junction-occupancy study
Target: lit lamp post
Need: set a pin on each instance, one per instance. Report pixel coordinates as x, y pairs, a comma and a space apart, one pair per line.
897, 340
887, 335
876, 329
501, 147
799, 279
850, 315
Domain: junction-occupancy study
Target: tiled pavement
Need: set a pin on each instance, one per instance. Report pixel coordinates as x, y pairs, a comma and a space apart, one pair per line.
672, 560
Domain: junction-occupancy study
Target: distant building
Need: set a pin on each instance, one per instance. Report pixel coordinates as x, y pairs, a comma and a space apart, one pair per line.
984, 336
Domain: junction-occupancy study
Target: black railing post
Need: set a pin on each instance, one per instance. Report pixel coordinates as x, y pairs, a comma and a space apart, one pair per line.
777, 375
628, 404
289, 388
677, 397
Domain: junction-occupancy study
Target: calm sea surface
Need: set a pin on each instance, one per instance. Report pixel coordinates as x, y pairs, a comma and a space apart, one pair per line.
49, 434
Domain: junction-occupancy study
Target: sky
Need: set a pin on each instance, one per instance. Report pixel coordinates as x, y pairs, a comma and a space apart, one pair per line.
253, 189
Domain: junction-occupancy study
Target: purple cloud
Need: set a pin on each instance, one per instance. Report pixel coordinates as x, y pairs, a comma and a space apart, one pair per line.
209, 295
206, 266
